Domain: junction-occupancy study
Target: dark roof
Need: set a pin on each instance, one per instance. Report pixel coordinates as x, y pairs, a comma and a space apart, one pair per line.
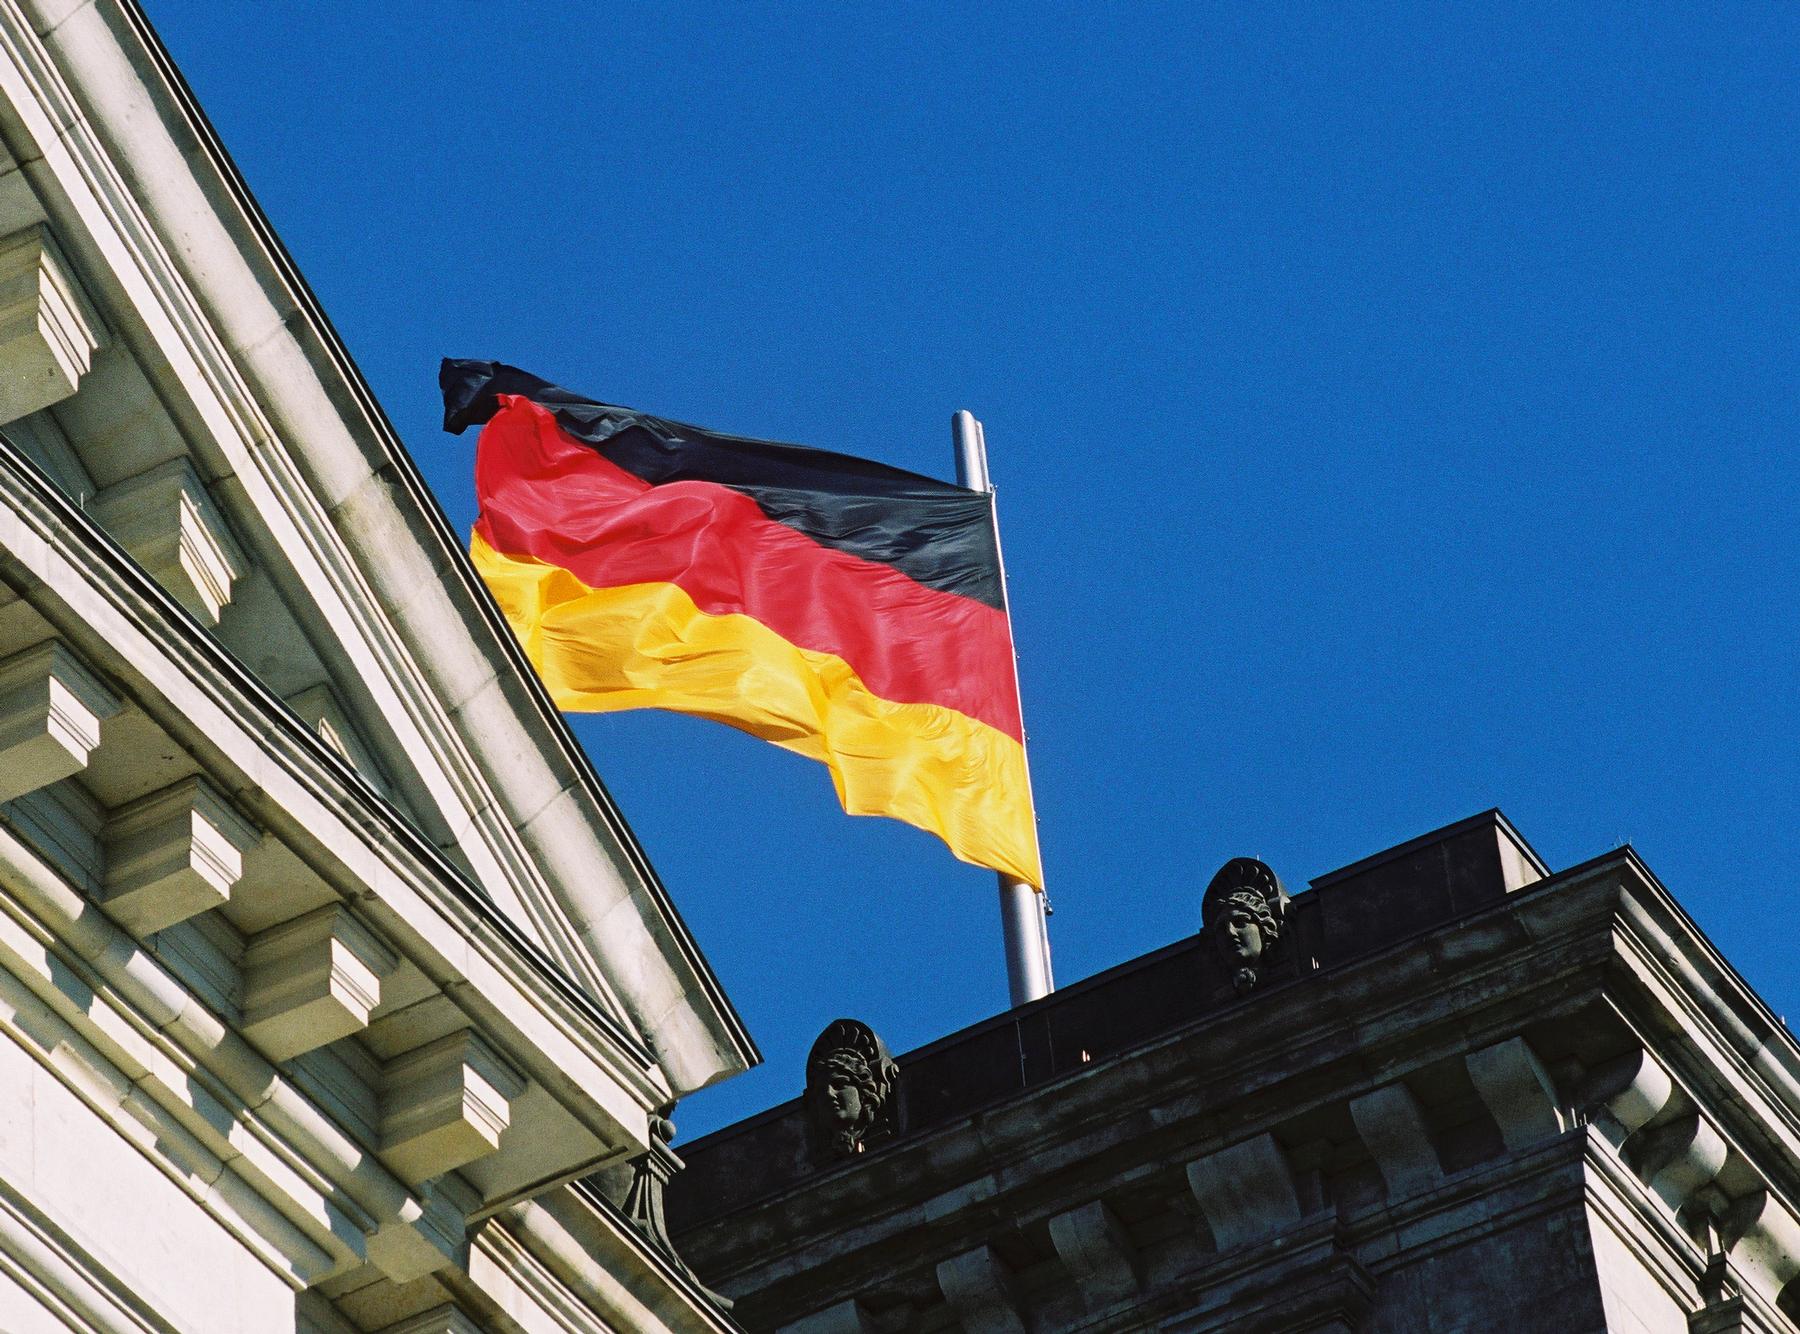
1366, 906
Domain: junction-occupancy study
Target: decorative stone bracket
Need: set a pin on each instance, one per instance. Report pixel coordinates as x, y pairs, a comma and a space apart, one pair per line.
312, 981
1391, 1125
1677, 1159
1517, 1091
51, 708
171, 855
171, 527
1684, 1159
1625, 1095
445, 1104
651, 1172
979, 1288
1763, 1238
1246, 1192
1098, 1255
49, 331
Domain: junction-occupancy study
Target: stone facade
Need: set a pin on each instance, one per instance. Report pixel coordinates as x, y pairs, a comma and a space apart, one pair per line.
329, 976
1464, 1094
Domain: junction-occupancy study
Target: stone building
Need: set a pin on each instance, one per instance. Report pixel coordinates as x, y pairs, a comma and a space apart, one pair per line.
336, 995
329, 974
1442, 1090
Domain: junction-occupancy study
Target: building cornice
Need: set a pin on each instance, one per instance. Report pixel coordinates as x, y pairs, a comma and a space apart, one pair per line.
53, 530
1584, 1002
207, 262
295, 788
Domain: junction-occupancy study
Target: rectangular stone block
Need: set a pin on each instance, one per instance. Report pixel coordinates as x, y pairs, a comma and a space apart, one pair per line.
49, 331
51, 708
167, 521
171, 855
445, 1104
311, 981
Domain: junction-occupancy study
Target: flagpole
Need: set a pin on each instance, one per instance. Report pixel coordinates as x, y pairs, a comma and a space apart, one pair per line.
1023, 926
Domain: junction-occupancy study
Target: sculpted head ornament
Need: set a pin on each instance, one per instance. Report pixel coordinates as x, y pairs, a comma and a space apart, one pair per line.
849, 1086
1243, 912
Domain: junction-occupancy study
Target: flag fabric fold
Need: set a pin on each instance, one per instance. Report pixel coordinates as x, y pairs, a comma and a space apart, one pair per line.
843, 609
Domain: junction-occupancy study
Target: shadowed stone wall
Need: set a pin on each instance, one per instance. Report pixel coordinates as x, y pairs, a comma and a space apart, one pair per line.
1440, 1090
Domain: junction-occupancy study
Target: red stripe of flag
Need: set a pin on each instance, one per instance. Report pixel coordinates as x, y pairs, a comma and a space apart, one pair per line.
547, 496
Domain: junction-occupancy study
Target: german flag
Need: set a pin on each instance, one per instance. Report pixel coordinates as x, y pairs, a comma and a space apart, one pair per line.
841, 608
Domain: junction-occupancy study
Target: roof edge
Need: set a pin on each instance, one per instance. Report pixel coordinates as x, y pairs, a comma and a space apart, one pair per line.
303, 339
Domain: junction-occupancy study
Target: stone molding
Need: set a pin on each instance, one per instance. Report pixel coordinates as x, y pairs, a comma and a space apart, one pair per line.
979, 1288
1554, 984
108, 137
311, 981
60, 1275
169, 524
206, 1108
49, 331
444, 1105
173, 854
1309, 1283
1714, 1196
412, 895
51, 709
108, 141
847, 1317
444, 1319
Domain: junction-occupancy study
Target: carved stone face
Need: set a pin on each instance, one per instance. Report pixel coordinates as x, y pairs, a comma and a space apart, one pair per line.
842, 1103
843, 1109
1245, 934
849, 1081
1242, 915
1243, 938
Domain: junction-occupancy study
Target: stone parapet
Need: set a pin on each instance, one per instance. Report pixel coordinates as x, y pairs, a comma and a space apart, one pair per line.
1457, 1122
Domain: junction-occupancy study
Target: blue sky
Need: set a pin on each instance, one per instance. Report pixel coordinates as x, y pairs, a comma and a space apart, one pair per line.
1392, 407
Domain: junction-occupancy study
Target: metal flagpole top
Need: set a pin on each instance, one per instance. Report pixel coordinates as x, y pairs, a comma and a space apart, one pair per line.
1023, 925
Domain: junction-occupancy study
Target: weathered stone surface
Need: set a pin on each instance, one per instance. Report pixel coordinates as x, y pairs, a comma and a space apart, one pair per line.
1392, 1126
979, 1288
1351, 1158
1245, 1191
49, 331
1097, 1252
